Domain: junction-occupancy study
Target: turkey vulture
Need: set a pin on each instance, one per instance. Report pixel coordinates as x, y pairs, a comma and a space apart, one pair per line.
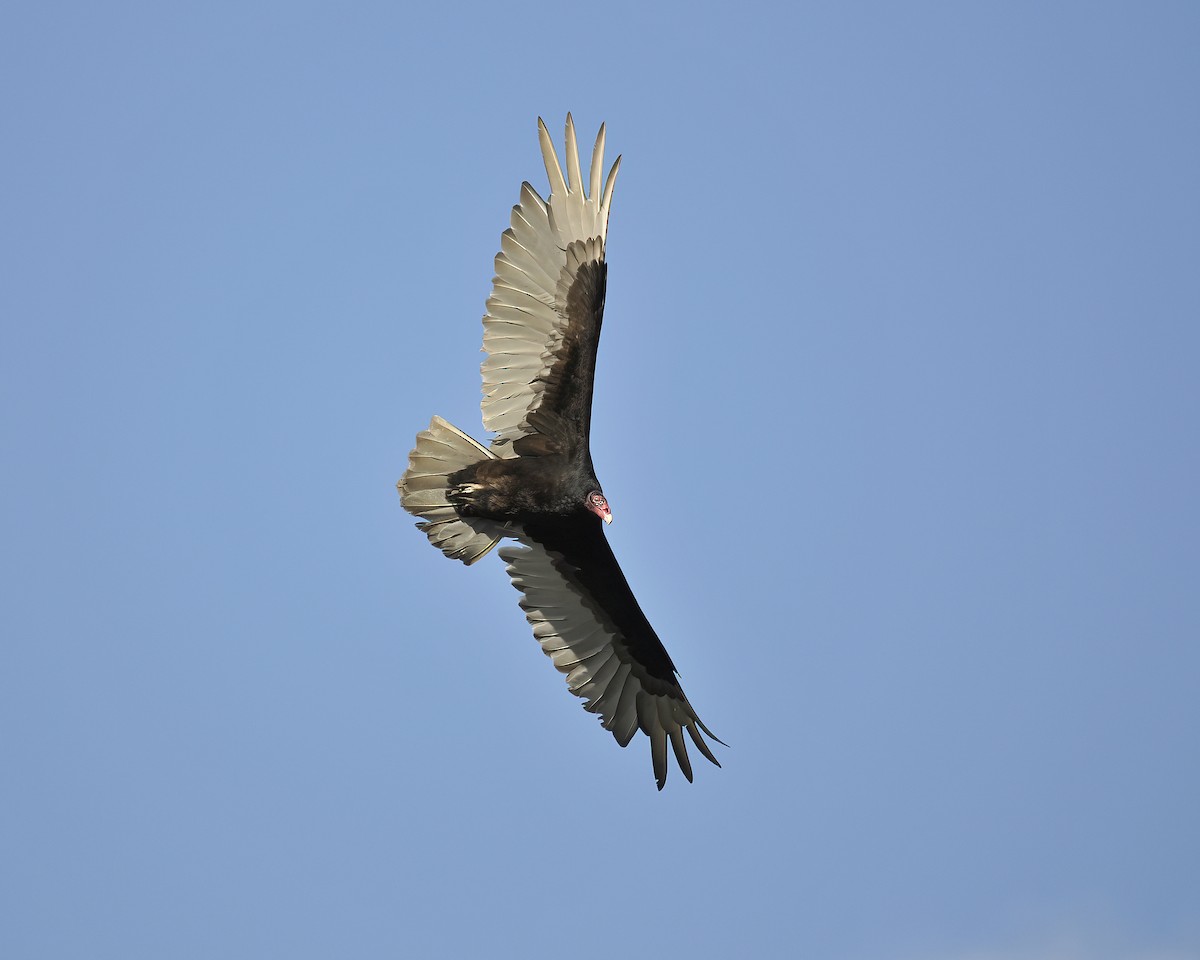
535, 482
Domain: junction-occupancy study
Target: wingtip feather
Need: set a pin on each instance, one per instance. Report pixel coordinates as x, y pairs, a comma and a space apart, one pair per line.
574, 173
553, 171
597, 169
658, 756
679, 745
606, 203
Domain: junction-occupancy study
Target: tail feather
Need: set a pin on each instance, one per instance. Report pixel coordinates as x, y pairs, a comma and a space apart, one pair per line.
441, 450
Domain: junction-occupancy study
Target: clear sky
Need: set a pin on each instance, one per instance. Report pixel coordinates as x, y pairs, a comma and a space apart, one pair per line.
898, 410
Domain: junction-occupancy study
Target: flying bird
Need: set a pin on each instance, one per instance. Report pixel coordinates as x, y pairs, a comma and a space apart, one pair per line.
535, 483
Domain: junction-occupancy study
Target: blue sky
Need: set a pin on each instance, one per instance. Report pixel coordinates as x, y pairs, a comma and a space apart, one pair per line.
896, 407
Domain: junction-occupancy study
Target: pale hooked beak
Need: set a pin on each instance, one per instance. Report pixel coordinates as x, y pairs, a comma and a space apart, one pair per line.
601, 510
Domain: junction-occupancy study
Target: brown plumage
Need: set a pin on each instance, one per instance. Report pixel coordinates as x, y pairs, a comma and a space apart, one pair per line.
535, 482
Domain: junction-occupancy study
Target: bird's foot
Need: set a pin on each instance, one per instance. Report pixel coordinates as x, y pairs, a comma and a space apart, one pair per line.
464, 496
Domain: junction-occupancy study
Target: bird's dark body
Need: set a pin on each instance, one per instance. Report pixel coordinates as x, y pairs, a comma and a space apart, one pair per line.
523, 489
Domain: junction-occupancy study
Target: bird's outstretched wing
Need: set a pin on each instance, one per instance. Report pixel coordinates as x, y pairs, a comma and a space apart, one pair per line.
543, 321
588, 622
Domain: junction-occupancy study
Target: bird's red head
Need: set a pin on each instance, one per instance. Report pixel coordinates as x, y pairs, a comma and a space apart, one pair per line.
599, 506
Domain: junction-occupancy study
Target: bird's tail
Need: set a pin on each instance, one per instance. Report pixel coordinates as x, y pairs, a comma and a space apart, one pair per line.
442, 450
